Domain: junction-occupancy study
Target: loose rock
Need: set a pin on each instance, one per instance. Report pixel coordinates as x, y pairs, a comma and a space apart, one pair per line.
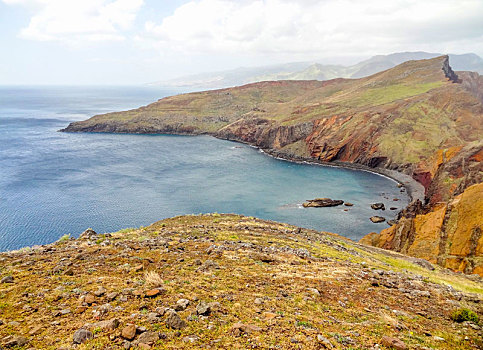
7, 279
82, 335
129, 332
393, 343
174, 321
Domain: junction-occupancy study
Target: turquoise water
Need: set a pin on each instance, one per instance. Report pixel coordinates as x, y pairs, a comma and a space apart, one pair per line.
54, 183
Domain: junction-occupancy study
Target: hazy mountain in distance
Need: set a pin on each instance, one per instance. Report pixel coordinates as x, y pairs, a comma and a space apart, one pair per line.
315, 71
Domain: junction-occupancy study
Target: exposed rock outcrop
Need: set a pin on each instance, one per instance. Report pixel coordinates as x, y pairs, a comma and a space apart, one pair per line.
449, 234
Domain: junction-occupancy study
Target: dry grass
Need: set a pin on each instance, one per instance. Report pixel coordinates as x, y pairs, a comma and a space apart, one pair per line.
153, 279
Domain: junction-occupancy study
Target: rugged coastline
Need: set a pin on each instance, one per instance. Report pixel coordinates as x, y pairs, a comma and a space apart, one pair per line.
419, 120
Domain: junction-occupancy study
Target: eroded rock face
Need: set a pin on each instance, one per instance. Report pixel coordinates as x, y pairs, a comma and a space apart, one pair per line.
449, 234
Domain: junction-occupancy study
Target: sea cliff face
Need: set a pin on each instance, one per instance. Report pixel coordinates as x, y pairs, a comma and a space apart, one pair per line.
419, 118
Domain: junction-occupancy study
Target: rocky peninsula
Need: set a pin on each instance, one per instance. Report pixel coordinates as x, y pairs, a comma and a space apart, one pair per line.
420, 120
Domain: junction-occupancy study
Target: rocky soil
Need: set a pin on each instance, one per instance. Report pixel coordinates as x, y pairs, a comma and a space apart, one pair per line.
227, 281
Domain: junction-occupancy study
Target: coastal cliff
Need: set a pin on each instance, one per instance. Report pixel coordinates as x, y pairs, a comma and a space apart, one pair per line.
419, 118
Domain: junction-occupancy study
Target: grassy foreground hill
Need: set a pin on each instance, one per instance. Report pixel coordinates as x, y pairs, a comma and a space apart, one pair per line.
419, 118
228, 281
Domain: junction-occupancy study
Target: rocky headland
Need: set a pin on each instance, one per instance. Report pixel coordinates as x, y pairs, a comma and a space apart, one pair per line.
420, 122
221, 281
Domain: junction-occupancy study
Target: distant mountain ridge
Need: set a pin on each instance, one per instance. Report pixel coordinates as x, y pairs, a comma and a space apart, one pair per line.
316, 71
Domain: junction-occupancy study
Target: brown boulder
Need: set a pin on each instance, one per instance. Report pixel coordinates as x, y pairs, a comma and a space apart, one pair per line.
393, 343
129, 332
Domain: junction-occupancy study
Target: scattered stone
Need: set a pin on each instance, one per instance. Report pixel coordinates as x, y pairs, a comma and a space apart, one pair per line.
377, 219
100, 292
129, 332
269, 315
69, 272
90, 299
174, 321
16, 342
348, 204
191, 338
208, 265
7, 279
203, 308
314, 291
65, 312
111, 296
378, 206
82, 335
438, 338
108, 325
322, 202
181, 304
88, 234
152, 317
239, 329
258, 301
148, 338
324, 341
154, 292
393, 343
393, 208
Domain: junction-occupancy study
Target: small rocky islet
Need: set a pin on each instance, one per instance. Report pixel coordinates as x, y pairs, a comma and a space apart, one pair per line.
222, 281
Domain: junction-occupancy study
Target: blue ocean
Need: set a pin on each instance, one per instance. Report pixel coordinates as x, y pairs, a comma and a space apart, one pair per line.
54, 183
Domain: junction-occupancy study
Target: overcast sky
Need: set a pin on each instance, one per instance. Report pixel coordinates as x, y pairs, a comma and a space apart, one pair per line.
139, 41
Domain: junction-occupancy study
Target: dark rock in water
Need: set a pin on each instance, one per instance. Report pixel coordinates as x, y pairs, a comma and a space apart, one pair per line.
347, 204
378, 206
393, 208
88, 234
322, 202
377, 219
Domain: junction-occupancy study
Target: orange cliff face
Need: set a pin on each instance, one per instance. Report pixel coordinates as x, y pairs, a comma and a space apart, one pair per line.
450, 234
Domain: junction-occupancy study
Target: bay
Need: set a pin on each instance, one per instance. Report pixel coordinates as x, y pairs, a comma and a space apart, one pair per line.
54, 183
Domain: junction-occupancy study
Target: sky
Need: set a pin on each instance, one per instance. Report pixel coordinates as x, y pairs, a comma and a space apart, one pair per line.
128, 42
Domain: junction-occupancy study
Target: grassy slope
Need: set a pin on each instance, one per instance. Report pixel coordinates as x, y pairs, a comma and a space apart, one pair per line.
393, 99
365, 293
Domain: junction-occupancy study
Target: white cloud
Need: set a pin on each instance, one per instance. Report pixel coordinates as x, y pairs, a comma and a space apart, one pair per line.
78, 21
316, 28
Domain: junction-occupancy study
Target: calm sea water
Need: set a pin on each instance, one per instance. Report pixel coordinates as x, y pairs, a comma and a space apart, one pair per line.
54, 183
